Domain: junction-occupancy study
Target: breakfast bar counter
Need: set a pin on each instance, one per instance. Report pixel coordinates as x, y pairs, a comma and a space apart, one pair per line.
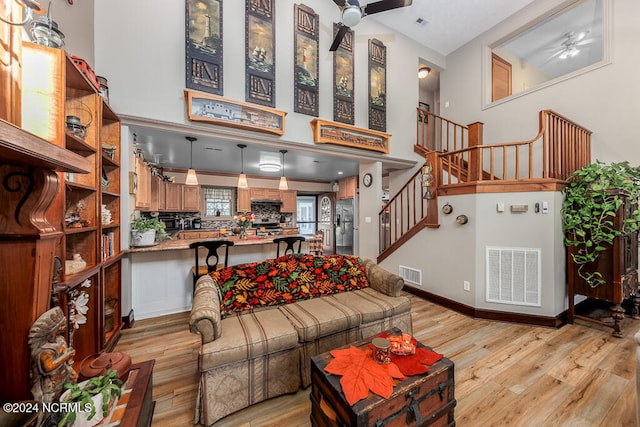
161, 274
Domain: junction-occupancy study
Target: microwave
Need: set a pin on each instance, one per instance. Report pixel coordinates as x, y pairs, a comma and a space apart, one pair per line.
170, 223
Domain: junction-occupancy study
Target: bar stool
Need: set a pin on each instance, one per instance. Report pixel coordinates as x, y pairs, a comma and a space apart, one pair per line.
289, 241
212, 247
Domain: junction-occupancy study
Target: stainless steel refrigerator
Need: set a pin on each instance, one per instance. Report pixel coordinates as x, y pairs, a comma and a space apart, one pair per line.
346, 226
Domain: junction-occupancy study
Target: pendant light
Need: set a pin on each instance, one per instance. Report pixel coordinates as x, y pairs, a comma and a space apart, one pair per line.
192, 179
283, 180
242, 178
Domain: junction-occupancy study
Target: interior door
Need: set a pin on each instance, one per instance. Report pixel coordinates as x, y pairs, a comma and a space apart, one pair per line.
500, 78
326, 211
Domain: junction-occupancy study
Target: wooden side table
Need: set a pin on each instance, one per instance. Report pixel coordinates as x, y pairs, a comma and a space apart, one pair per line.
135, 407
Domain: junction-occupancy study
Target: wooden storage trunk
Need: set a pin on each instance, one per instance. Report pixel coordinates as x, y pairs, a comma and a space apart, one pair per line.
420, 400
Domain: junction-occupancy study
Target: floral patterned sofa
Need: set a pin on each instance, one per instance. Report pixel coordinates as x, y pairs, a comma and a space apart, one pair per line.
260, 323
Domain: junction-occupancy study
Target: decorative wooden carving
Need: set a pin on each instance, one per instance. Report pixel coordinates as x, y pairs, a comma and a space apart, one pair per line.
28, 186
343, 73
377, 85
260, 52
325, 132
306, 34
203, 37
203, 107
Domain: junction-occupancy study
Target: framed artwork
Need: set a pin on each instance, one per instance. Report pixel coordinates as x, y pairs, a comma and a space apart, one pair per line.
377, 85
343, 78
306, 86
204, 107
260, 60
326, 132
133, 183
422, 117
203, 59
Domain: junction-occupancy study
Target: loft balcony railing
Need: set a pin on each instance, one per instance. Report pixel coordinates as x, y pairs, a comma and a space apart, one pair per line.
458, 161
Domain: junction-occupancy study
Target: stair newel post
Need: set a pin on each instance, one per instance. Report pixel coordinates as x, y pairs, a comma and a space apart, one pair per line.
475, 156
432, 203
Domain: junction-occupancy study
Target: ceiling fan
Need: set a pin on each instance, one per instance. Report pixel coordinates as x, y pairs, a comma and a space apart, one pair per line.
569, 46
352, 13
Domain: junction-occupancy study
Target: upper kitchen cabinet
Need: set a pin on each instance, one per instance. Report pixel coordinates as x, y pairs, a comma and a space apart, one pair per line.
191, 198
244, 200
265, 194
288, 198
347, 188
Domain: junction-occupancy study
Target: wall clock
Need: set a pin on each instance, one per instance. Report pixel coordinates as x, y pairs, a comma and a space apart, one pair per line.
367, 179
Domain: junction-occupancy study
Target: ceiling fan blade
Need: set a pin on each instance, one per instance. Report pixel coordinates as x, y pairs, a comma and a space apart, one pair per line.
384, 5
339, 3
336, 42
585, 42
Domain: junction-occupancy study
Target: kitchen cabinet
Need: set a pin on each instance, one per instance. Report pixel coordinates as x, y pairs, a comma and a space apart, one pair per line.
347, 188
289, 201
157, 195
191, 200
172, 197
244, 200
143, 184
85, 215
265, 194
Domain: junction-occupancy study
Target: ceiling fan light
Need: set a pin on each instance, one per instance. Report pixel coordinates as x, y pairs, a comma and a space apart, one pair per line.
192, 178
423, 72
283, 184
351, 16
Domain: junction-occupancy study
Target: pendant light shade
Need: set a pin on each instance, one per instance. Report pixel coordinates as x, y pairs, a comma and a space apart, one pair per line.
283, 180
242, 178
192, 178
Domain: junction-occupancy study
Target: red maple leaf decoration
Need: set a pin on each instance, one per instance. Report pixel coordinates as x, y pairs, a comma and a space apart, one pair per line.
414, 364
360, 373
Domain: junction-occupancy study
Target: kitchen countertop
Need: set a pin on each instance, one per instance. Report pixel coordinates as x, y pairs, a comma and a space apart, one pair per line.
176, 244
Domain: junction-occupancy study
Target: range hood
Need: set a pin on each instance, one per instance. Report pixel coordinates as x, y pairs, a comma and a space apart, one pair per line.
266, 201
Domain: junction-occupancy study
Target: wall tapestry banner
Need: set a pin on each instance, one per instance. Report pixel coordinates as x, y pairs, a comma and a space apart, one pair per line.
260, 55
343, 78
377, 85
203, 53
306, 35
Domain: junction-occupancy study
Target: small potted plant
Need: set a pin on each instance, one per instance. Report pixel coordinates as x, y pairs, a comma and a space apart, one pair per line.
145, 231
94, 397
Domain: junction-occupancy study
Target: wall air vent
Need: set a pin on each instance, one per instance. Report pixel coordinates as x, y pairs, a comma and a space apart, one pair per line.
410, 275
513, 276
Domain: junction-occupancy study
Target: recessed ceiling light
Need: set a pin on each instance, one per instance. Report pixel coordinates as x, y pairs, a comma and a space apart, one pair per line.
421, 21
213, 149
340, 172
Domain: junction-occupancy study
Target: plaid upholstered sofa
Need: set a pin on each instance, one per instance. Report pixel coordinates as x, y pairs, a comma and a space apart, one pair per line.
260, 323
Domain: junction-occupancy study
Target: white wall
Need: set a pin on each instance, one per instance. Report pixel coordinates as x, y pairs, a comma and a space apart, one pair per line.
76, 23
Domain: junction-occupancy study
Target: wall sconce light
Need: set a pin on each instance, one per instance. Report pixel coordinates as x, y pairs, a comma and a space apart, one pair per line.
423, 72
242, 178
192, 178
427, 180
31, 8
283, 180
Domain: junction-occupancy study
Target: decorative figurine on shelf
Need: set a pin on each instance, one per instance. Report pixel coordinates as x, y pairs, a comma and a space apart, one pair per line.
75, 265
51, 359
244, 220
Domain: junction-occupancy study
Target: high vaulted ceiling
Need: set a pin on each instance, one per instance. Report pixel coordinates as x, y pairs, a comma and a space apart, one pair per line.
445, 26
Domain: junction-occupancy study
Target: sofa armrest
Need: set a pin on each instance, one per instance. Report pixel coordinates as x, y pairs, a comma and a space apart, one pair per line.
382, 280
205, 311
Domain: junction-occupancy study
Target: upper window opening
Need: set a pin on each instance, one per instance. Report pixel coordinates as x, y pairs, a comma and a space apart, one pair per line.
555, 47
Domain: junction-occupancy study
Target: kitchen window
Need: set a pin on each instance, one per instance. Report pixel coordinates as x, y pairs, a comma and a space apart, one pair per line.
218, 202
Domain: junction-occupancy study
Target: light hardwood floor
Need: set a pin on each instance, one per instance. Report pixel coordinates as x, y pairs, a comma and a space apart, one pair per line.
505, 374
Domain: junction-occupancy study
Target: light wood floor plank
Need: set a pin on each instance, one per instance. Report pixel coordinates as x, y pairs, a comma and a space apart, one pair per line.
506, 374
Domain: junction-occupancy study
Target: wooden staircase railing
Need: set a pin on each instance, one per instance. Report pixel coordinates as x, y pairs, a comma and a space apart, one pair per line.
457, 158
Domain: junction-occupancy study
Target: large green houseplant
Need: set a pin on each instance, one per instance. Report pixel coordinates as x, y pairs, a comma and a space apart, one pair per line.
593, 197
